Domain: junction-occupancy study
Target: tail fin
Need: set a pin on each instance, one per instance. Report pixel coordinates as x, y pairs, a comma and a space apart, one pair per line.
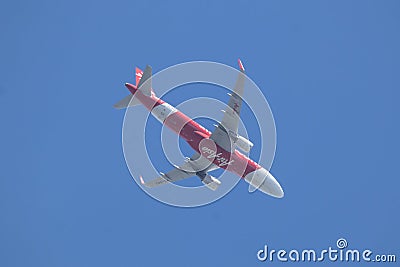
144, 84
138, 75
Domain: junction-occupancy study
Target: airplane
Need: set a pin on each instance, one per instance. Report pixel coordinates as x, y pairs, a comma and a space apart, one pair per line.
213, 150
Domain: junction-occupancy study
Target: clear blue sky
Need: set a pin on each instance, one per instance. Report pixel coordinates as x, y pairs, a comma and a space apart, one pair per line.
329, 69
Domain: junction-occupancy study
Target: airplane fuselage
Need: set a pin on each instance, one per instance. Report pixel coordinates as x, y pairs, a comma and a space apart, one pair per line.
214, 150
195, 135
199, 139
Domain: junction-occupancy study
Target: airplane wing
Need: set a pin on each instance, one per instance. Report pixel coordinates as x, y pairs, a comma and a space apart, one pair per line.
172, 176
230, 122
195, 166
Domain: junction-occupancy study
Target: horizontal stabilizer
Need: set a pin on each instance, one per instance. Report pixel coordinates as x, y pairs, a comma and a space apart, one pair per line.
128, 101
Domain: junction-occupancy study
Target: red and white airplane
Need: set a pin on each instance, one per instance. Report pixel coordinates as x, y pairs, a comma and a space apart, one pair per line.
214, 150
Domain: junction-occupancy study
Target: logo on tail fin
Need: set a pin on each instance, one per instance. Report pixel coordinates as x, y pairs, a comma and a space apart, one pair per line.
139, 74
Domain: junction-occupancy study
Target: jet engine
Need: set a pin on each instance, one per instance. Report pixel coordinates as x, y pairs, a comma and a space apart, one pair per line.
210, 181
243, 144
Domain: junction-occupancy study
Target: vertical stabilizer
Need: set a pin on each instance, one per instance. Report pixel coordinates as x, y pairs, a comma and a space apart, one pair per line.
138, 75
145, 81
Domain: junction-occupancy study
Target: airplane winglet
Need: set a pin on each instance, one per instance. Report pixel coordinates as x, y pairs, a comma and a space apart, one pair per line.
241, 67
141, 180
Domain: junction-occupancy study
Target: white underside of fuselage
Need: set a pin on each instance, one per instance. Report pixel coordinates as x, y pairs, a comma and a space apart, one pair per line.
162, 111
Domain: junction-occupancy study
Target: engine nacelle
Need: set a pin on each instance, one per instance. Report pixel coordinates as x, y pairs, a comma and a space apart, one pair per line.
211, 182
244, 144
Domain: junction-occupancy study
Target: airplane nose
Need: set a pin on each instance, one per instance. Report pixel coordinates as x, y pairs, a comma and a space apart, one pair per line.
271, 187
264, 181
